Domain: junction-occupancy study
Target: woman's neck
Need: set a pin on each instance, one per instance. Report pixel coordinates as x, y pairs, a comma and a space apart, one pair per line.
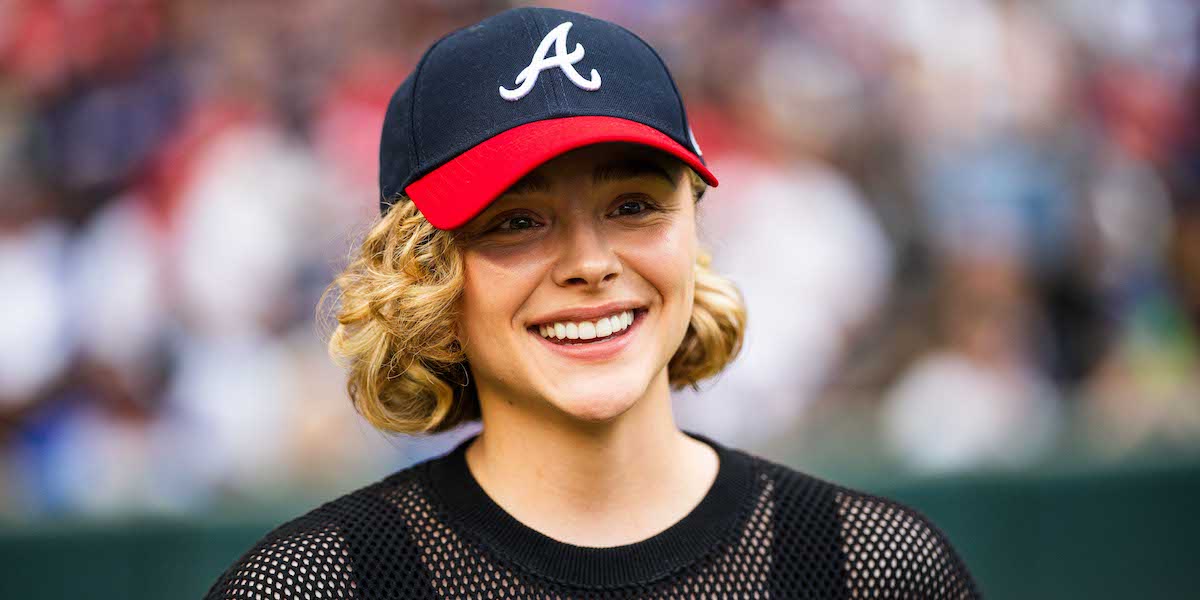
593, 484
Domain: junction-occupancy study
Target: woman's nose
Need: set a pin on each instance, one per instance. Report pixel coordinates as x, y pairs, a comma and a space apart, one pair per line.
586, 257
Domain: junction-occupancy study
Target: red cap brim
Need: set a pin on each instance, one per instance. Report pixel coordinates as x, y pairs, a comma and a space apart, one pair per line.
452, 194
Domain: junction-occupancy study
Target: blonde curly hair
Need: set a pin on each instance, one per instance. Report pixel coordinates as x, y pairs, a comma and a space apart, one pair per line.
407, 372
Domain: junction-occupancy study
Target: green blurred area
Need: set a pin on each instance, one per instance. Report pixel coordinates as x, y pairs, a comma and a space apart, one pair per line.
1107, 533
1115, 531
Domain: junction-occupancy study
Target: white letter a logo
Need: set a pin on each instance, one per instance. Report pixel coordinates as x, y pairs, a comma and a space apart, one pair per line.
561, 59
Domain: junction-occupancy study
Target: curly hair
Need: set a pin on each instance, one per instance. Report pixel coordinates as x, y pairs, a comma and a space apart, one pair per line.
407, 372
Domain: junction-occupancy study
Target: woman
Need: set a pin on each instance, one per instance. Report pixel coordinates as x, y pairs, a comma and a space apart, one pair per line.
537, 268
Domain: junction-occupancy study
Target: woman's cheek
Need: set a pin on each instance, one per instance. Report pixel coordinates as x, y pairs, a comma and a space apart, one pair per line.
497, 286
485, 297
665, 257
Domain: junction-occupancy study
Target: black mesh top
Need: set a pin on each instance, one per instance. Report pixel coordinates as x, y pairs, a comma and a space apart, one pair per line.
762, 531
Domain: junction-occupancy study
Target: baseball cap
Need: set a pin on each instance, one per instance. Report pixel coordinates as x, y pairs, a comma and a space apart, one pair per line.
488, 103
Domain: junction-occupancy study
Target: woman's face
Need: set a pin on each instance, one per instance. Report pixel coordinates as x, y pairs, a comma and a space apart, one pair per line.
606, 231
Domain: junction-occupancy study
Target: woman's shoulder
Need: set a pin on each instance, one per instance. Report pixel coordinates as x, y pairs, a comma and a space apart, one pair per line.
878, 543
335, 548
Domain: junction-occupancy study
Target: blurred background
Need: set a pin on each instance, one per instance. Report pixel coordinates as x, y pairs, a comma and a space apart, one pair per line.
968, 233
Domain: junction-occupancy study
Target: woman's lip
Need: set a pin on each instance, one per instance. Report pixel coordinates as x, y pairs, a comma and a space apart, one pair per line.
601, 350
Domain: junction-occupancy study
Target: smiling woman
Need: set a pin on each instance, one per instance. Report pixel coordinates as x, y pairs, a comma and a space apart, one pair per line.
404, 309
537, 268
608, 229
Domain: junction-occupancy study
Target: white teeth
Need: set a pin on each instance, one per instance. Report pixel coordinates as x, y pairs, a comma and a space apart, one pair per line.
586, 330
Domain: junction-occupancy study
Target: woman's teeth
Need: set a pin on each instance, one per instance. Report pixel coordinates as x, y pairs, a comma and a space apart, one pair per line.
586, 330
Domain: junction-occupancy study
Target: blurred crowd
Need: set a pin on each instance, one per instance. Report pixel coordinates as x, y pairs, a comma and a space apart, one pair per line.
969, 225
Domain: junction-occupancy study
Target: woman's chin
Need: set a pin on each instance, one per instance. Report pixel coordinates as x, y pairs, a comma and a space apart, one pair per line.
597, 405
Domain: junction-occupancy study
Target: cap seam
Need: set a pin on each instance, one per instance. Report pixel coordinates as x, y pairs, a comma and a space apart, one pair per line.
412, 115
557, 76
678, 97
531, 37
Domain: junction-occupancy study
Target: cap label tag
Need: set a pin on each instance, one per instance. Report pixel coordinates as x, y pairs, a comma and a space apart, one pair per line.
561, 59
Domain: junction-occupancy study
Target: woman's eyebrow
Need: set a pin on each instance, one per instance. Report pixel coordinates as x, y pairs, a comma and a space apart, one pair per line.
629, 168
531, 183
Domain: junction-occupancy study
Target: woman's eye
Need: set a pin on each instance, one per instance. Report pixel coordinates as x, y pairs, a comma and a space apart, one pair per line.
634, 207
517, 223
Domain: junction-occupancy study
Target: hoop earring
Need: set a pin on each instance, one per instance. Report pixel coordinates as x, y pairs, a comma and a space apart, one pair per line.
466, 375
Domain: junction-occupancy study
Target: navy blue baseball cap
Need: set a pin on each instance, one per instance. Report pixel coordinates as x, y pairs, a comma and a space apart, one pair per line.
491, 102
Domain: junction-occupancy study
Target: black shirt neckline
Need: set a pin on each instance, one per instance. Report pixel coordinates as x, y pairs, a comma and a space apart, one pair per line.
726, 504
